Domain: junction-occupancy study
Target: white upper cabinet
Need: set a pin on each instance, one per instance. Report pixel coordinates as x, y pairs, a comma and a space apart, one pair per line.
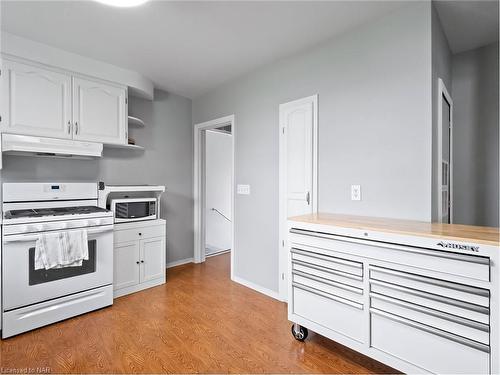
45, 102
99, 112
37, 101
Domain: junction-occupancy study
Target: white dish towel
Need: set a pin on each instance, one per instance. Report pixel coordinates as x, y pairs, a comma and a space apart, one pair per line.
61, 249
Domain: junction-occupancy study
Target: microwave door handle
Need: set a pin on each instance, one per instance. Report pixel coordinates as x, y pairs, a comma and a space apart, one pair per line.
34, 237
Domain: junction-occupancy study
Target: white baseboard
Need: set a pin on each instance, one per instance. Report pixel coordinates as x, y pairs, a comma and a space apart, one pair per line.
179, 262
258, 288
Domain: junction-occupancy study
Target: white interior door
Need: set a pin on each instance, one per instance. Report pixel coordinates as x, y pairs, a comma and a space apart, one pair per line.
298, 168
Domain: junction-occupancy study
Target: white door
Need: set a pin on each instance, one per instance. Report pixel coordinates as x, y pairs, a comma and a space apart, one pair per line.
37, 101
298, 168
152, 259
126, 265
99, 112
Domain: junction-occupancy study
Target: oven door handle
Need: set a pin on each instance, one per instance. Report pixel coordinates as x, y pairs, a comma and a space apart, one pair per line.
34, 237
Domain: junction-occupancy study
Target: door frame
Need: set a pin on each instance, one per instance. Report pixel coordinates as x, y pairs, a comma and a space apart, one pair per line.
199, 185
443, 92
283, 220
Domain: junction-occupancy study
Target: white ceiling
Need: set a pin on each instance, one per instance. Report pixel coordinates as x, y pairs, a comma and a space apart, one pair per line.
468, 24
187, 47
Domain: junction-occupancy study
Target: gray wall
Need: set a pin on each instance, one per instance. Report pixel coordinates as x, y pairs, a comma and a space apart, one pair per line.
441, 68
167, 161
374, 86
476, 137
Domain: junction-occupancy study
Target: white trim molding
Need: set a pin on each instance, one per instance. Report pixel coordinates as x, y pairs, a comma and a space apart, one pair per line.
199, 186
179, 262
260, 289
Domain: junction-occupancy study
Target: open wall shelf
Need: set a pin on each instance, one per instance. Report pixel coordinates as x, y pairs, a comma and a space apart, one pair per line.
134, 121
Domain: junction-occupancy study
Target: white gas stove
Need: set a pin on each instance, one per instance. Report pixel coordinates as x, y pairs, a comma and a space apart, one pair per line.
32, 298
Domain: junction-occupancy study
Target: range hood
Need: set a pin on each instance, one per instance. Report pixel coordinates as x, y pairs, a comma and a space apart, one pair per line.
13, 144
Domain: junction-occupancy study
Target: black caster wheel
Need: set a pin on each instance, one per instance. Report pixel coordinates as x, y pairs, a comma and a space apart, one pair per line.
299, 333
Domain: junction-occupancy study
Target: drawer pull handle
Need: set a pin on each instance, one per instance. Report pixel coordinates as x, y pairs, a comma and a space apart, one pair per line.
431, 281
311, 254
432, 312
328, 296
432, 330
435, 253
329, 282
328, 270
433, 297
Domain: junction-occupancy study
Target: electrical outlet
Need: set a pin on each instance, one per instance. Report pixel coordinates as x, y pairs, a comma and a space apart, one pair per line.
355, 192
243, 189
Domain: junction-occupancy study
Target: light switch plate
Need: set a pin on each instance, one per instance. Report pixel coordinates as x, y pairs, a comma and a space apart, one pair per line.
355, 192
243, 189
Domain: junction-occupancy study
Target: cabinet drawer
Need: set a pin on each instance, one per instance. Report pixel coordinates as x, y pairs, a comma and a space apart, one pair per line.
331, 287
327, 262
428, 348
460, 292
335, 313
328, 274
433, 318
467, 310
461, 265
135, 234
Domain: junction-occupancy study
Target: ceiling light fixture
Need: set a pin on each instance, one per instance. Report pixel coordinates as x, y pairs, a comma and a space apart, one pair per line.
123, 3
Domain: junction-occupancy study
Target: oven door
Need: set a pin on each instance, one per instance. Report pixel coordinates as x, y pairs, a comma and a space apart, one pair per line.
23, 285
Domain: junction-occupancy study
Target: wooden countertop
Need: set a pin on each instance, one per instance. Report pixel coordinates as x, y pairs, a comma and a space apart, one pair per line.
476, 234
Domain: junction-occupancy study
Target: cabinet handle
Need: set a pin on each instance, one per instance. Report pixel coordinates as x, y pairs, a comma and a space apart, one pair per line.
142, 261
76, 127
69, 127
137, 262
140, 234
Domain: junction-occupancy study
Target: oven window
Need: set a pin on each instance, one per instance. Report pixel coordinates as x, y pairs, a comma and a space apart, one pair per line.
45, 276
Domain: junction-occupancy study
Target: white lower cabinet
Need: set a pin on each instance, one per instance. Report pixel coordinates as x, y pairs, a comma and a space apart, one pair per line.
430, 311
126, 266
139, 257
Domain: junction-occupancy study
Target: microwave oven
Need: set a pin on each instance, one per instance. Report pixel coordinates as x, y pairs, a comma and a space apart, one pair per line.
134, 209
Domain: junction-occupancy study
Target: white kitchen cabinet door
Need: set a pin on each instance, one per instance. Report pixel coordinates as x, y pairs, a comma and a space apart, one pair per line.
126, 265
152, 259
36, 101
99, 112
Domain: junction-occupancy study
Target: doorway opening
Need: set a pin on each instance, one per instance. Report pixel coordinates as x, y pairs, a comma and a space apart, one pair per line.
445, 155
214, 189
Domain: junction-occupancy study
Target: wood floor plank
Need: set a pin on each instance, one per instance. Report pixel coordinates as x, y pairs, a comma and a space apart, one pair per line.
199, 322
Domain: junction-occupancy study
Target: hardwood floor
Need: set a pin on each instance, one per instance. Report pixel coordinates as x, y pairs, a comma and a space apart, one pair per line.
199, 322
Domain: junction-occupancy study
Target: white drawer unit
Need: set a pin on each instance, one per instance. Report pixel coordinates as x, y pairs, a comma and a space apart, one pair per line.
407, 301
139, 256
